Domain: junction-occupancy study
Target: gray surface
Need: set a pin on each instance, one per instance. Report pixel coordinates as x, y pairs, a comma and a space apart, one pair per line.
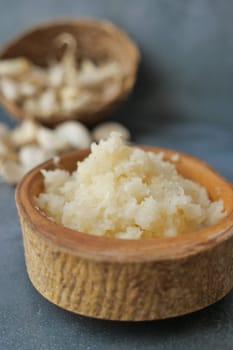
183, 100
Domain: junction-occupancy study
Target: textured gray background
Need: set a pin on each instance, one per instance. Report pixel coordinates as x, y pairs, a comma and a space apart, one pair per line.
183, 99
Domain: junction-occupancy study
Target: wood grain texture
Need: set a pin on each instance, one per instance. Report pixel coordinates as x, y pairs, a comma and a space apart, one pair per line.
131, 280
99, 41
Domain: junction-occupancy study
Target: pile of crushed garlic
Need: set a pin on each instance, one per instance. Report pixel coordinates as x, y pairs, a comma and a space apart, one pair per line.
63, 87
30, 144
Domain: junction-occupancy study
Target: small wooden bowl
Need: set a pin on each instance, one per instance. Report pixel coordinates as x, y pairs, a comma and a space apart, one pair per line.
130, 280
96, 40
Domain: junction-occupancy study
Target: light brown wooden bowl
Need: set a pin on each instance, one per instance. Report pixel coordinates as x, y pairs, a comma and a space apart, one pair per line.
96, 40
130, 280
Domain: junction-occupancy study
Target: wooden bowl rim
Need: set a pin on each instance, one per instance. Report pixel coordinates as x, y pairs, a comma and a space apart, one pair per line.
118, 250
18, 113
91, 21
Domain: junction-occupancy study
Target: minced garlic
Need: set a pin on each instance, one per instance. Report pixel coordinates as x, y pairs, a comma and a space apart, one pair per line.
124, 192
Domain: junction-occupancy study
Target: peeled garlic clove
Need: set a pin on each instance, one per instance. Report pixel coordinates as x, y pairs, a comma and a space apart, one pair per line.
51, 141
30, 106
74, 105
102, 131
14, 67
36, 76
10, 89
91, 77
11, 171
24, 134
68, 61
69, 93
32, 155
27, 89
55, 75
47, 103
75, 134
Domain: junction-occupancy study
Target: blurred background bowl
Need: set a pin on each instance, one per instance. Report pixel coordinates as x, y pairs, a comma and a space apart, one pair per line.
97, 40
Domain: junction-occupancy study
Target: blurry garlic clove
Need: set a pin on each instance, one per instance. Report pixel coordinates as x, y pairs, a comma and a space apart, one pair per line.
32, 155
55, 75
87, 66
47, 103
11, 171
68, 61
25, 133
69, 92
102, 131
75, 134
91, 77
49, 140
36, 76
81, 102
10, 89
14, 67
30, 106
27, 89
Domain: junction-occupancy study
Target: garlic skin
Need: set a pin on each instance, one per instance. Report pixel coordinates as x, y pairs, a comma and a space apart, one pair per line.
75, 134
103, 131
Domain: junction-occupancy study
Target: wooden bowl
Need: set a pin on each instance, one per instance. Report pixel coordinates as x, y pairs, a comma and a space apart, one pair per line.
130, 280
96, 40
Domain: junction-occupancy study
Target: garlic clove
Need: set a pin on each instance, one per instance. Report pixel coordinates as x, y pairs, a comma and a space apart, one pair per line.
47, 103
103, 130
27, 89
11, 171
69, 93
55, 75
30, 105
91, 75
14, 67
10, 89
49, 140
75, 134
68, 61
25, 133
36, 76
81, 102
32, 155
